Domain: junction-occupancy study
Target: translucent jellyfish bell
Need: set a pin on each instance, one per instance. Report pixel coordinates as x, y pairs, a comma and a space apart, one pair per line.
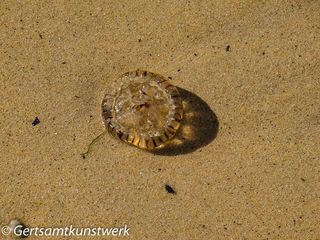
144, 110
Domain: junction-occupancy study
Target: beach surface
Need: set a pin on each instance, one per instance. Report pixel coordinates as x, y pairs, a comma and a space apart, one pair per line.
245, 164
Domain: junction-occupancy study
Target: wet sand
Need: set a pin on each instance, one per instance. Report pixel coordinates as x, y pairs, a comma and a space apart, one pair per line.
246, 162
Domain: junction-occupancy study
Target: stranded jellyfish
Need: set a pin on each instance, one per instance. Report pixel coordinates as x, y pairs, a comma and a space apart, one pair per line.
144, 109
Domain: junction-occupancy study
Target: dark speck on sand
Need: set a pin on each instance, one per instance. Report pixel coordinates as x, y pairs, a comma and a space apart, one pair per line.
170, 189
36, 121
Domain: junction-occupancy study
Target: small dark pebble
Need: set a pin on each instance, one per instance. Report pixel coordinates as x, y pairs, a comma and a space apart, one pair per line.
139, 40
40, 35
170, 189
228, 48
303, 180
179, 70
36, 121
20, 227
170, 77
263, 53
64, 62
195, 54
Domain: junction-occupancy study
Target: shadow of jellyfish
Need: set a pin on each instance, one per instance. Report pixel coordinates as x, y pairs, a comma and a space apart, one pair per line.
199, 127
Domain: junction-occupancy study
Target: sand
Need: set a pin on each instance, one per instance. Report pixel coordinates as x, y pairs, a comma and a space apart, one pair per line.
248, 166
